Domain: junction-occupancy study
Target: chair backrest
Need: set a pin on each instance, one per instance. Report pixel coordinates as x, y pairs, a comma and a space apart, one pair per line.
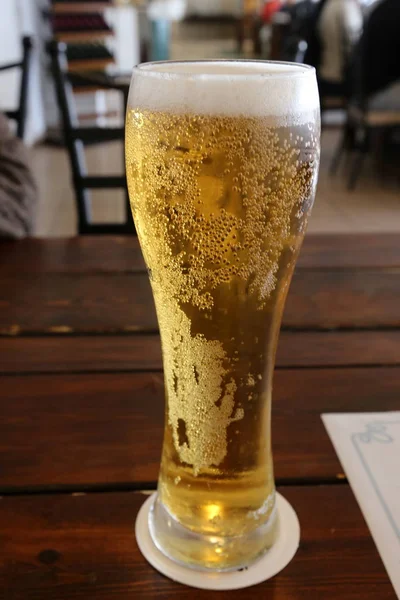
75, 138
19, 114
375, 61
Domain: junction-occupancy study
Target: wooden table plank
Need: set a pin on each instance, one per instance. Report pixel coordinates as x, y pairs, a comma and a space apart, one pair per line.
95, 420
77, 303
103, 354
350, 251
85, 254
336, 349
90, 254
318, 299
83, 546
322, 299
105, 430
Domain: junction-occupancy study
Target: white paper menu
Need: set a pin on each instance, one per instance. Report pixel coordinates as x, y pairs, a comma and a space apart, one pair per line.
368, 446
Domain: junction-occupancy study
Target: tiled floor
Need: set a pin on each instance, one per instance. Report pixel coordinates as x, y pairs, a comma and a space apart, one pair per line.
373, 206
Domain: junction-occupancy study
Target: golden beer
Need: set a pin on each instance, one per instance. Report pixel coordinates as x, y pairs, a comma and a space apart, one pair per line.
220, 202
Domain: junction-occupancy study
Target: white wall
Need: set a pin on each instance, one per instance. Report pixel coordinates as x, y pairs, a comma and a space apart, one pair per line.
31, 23
10, 51
19, 17
125, 44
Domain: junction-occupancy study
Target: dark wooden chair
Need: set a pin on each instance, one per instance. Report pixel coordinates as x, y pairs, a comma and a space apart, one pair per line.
373, 110
19, 114
367, 127
76, 137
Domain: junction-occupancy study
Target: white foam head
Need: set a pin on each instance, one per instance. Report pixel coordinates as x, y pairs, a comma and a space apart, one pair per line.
286, 91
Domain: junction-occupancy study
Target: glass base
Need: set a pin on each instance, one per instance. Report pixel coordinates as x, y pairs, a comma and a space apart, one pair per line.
209, 552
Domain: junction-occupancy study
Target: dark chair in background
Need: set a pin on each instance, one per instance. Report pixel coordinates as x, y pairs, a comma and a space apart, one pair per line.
373, 110
290, 25
368, 127
19, 114
76, 137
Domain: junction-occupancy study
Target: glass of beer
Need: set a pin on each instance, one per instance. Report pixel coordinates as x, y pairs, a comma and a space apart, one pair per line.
222, 161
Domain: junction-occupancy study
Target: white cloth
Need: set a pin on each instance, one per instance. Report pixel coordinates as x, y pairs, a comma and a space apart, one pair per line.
339, 28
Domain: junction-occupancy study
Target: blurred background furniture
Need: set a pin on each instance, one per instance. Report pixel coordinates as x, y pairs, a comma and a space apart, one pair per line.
19, 114
99, 71
101, 37
76, 137
369, 127
83, 27
373, 108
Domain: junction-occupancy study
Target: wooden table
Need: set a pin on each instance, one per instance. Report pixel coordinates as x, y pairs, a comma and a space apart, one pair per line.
81, 416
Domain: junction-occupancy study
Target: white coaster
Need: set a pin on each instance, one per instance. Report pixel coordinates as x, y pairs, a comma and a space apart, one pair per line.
266, 567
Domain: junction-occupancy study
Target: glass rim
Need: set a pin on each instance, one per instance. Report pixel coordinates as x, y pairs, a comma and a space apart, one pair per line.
291, 69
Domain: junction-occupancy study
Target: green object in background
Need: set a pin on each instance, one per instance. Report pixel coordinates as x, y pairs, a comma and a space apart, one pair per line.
160, 39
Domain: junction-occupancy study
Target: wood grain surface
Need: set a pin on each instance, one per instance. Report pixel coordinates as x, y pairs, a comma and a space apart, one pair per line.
122, 253
102, 354
342, 251
99, 303
82, 410
85, 254
67, 547
106, 430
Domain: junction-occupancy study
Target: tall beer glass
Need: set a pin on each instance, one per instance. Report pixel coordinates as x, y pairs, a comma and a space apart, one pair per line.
222, 160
